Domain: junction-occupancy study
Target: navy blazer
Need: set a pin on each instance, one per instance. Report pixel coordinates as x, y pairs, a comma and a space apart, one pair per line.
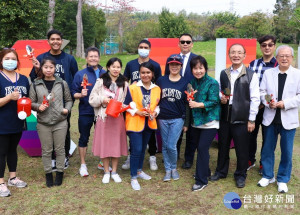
188, 75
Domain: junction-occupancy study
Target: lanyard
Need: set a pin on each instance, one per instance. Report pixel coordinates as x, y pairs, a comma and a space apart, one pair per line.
11, 80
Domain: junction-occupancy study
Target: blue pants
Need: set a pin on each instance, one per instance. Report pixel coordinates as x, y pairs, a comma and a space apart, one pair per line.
85, 124
170, 130
202, 138
268, 156
138, 144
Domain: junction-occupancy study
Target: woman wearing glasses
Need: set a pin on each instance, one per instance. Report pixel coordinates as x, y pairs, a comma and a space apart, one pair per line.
12, 87
172, 114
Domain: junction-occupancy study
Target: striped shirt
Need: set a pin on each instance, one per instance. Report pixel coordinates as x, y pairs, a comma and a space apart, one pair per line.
259, 66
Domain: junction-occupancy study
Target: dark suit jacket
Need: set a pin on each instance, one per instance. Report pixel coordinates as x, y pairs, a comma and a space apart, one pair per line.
188, 71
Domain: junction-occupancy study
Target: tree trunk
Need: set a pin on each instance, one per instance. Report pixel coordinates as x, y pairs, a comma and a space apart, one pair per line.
120, 31
51, 14
80, 44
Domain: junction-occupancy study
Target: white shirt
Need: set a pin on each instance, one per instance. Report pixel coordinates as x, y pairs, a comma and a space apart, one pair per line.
185, 60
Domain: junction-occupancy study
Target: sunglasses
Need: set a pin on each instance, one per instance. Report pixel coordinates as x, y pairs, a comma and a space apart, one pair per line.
183, 42
264, 45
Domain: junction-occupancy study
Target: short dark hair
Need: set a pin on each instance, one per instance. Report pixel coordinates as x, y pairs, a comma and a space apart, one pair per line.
198, 59
40, 74
267, 37
149, 66
54, 31
237, 44
186, 34
145, 41
91, 49
4, 52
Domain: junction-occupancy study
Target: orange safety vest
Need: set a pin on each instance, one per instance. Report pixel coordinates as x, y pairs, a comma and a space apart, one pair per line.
136, 123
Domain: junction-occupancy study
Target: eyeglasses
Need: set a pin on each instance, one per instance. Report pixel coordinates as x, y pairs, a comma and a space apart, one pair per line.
185, 41
5, 48
284, 56
264, 45
236, 53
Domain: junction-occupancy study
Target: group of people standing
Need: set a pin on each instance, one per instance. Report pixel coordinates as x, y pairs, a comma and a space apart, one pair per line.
185, 99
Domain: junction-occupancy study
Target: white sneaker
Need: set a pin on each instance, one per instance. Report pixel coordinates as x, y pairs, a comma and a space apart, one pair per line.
143, 175
265, 182
17, 182
135, 184
83, 171
116, 178
105, 179
152, 161
4, 191
126, 164
282, 187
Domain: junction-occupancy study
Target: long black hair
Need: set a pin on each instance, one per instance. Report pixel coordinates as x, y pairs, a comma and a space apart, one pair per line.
107, 79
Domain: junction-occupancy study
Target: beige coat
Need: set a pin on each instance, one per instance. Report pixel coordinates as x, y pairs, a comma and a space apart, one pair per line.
97, 97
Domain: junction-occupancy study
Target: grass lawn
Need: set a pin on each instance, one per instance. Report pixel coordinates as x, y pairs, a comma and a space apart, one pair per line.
89, 196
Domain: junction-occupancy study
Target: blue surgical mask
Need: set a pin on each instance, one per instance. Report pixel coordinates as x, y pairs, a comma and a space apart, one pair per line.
9, 65
144, 53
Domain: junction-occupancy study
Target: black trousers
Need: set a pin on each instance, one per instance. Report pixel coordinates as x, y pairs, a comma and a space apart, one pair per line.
152, 145
253, 136
240, 135
202, 138
8, 152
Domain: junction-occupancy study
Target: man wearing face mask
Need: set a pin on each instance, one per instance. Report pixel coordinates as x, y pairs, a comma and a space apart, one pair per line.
132, 67
132, 73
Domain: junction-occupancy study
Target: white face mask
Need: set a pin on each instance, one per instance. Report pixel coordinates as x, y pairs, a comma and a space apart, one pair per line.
9, 65
144, 53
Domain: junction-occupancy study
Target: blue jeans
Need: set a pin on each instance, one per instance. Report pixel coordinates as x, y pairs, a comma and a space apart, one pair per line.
85, 123
268, 156
138, 144
170, 130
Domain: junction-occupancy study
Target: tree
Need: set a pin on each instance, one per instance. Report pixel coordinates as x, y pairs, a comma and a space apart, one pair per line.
22, 19
282, 15
170, 25
122, 9
94, 30
80, 42
144, 29
254, 25
216, 20
225, 31
51, 14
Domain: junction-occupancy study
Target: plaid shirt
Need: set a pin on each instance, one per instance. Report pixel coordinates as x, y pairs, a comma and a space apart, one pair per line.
259, 66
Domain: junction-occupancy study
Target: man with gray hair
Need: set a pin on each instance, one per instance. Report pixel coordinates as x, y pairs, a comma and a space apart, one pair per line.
280, 93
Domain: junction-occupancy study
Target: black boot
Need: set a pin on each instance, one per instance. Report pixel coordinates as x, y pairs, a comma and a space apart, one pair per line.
59, 178
49, 179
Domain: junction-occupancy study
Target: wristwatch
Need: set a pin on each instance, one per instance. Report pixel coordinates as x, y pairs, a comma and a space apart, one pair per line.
252, 121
